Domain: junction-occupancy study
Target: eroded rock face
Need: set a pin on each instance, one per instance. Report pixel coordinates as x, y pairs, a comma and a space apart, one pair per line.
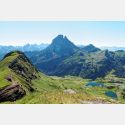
22, 66
11, 93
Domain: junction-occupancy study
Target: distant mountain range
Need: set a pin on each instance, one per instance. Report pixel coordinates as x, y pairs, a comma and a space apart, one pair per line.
113, 48
28, 47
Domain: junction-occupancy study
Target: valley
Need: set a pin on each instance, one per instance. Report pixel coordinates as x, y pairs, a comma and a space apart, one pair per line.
63, 73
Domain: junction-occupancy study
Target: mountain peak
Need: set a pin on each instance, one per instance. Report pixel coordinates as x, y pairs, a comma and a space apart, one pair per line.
61, 46
91, 48
57, 51
61, 39
60, 36
91, 45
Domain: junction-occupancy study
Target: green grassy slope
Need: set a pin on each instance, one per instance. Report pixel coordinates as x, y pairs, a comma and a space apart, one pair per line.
4, 70
16, 75
51, 90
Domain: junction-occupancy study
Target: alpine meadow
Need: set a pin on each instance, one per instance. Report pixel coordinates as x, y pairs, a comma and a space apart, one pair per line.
62, 62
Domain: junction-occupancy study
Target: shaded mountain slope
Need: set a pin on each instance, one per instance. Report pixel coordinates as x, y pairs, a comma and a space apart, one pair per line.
93, 65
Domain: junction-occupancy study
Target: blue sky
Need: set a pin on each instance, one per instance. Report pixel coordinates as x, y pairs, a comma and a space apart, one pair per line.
99, 33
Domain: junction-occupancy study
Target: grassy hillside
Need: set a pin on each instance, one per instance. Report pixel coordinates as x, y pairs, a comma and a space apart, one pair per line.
67, 90
16, 74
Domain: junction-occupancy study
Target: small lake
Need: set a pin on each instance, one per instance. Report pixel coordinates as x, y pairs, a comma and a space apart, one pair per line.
111, 94
95, 84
